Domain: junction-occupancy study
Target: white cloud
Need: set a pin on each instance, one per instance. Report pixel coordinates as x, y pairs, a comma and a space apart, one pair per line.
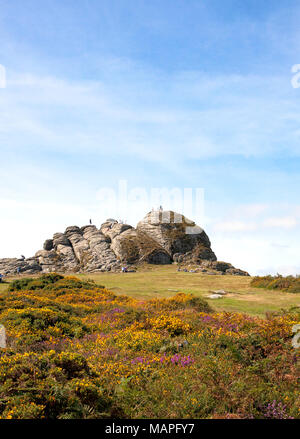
251, 239
166, 118
250, 210
284, 222
255, 217
253, 253
234, 226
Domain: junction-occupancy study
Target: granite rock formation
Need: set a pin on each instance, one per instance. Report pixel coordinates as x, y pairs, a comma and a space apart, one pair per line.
162, 237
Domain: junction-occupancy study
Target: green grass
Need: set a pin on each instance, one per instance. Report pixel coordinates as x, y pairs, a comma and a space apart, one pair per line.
3, 286
164, 281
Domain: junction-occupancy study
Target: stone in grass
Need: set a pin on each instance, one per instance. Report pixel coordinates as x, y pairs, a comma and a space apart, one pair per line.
2, 337
222, 292
214, 296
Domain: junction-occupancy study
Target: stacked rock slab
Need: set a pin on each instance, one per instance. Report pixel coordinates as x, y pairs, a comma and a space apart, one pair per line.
162, 237
100, 255
83, 249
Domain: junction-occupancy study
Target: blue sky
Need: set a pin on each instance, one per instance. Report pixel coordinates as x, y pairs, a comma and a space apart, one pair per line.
161, 94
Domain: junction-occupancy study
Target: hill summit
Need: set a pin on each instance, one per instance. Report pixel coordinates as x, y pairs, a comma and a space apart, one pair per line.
162, 237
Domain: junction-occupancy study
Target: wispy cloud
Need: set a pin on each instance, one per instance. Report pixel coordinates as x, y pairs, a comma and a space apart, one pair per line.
211, 118
284, 222
234, 226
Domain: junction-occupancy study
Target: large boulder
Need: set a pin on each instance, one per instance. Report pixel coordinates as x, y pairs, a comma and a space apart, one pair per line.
133, 246
60, 239
177, 235
48, 244
111, 229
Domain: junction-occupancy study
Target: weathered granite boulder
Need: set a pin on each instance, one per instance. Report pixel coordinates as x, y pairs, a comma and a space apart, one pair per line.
48, 244
60, 239
223, 268
177, 235
133, 246
111, 229
236, 272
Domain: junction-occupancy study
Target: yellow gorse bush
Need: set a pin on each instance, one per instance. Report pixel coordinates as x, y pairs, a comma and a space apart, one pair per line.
172, 324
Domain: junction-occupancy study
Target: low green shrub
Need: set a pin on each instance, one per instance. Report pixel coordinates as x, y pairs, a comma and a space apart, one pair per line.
51, 386
289, 284
35, 284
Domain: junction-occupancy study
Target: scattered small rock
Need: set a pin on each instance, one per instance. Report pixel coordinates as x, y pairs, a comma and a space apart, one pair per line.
214, 296
2, 337
220, 292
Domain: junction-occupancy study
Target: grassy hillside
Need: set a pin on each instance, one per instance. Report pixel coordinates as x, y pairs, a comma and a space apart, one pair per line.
245, 293
76, 350
165, 281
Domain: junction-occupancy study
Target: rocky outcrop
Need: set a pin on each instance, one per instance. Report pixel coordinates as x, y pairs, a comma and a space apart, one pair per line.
222, 268
162, 237
210, 268
79, 249
11, 266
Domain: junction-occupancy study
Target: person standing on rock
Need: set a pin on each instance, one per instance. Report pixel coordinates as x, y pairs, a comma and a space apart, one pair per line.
1, 278
19, 270
91, 222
